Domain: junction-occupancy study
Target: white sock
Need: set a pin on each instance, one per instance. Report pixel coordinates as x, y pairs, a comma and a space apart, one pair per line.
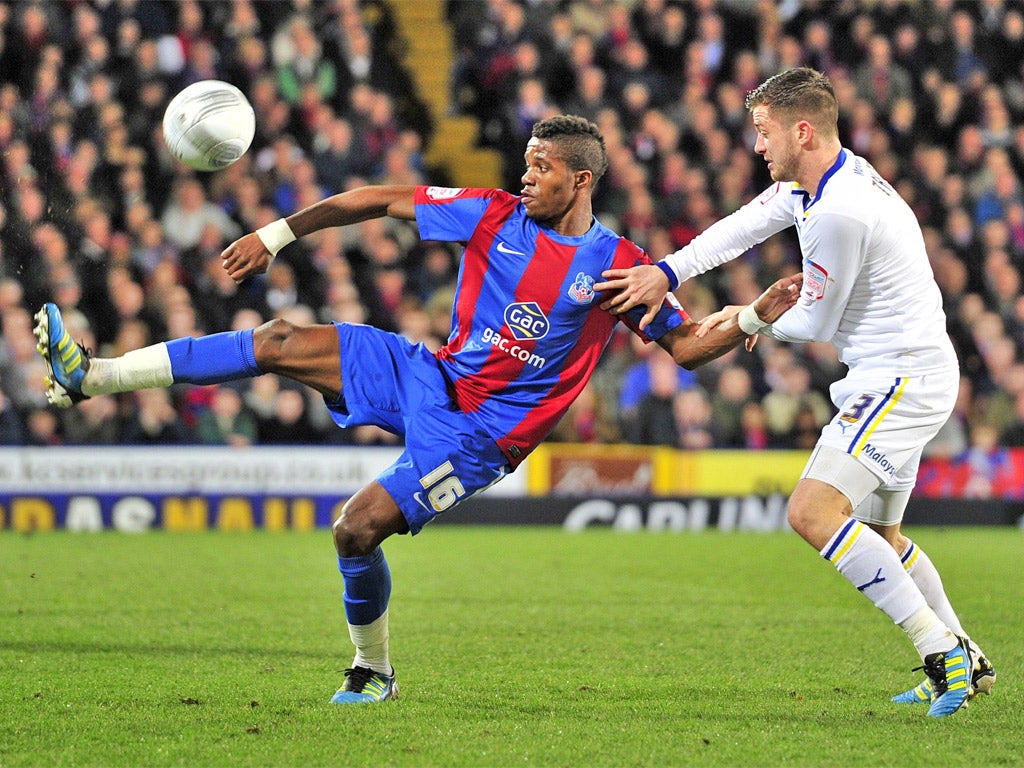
921, 569
371, 642
924, 573
927, 633
145, 368
867, 561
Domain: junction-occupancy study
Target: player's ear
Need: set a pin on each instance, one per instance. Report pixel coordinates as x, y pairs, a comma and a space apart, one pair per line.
583, 178
804, 131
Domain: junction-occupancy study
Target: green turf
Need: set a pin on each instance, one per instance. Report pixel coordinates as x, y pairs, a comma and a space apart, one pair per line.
515, 647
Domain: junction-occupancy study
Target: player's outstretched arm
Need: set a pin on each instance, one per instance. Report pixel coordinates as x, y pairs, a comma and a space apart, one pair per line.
252, 253
715, 318
693, 344
643, 284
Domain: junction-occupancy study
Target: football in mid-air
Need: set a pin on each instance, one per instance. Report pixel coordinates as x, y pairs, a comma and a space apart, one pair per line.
209, 125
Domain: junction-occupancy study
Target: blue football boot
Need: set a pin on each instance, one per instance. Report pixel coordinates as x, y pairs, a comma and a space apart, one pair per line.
951, 674
983, 678
919, 694
66, 360
364, 686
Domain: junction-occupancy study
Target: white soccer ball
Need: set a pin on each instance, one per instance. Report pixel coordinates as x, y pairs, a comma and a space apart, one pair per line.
209, 125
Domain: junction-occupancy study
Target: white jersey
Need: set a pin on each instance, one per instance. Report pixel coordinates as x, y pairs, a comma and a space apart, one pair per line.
868, 286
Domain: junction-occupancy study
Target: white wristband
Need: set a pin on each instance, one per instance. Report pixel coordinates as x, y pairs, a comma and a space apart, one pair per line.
749, 322
276, 235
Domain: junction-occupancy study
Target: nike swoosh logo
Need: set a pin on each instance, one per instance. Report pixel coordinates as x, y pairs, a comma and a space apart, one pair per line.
502, 248
419, 500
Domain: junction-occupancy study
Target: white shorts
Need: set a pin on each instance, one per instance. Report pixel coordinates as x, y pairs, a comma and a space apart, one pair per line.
884, 423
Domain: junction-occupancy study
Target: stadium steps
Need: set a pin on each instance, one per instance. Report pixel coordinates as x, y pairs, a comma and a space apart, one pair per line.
429, 58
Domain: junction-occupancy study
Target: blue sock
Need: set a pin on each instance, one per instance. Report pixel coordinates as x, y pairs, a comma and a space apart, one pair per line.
213, 359
367, 586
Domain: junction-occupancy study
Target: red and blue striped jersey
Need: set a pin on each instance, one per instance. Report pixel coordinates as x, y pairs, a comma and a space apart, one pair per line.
527, 328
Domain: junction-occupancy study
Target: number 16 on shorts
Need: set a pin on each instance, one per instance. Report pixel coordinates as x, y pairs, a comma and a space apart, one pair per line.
443, 488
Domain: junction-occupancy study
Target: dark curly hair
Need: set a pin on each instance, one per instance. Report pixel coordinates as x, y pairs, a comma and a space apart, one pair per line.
579, 141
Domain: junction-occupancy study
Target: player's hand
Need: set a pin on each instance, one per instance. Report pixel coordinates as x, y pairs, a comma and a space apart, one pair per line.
779, 297
715, 319
245, 257
770, 306
645, 284
719, 317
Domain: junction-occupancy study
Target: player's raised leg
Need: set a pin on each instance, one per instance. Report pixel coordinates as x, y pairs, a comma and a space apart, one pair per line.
309, 355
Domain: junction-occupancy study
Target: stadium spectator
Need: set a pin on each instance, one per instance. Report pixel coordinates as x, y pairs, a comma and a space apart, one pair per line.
986, 459
301, 64
754, 424
154, 421
42, 428
436, 269
732, 394
227, 421
98, 422
589, 97
879, 79
649, 419
333, 154
950, 441
188, 214
790, 396
691, 419
646, 375
287, 422
1012, 435
12, 431
582, 422
17, 371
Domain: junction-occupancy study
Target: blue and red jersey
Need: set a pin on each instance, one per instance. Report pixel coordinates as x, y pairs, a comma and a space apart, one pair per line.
527, 328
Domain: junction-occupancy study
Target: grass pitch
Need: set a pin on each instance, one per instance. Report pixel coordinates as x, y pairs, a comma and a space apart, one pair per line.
514, 647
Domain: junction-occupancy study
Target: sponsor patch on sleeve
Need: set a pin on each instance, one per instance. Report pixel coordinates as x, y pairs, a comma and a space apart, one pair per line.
443, 193
815, 281
769, 193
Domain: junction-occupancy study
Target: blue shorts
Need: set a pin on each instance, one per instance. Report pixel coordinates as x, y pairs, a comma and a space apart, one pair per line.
398, 386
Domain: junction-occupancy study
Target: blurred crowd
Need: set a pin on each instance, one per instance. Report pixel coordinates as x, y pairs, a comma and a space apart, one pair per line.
96, 216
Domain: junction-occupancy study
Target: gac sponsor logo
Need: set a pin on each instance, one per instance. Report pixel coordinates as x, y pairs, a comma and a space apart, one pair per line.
509, 347
526, 320
880, 459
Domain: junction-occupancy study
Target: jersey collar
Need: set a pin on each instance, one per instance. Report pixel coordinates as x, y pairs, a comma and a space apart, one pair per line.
577, 240
808, 201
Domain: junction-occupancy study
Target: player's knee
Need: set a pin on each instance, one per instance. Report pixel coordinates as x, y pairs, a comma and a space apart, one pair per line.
354, 536
270, 341
893, 536
799, 517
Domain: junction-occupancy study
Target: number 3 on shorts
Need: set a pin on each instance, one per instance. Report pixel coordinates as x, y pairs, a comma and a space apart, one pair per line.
443, 488
857, 410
